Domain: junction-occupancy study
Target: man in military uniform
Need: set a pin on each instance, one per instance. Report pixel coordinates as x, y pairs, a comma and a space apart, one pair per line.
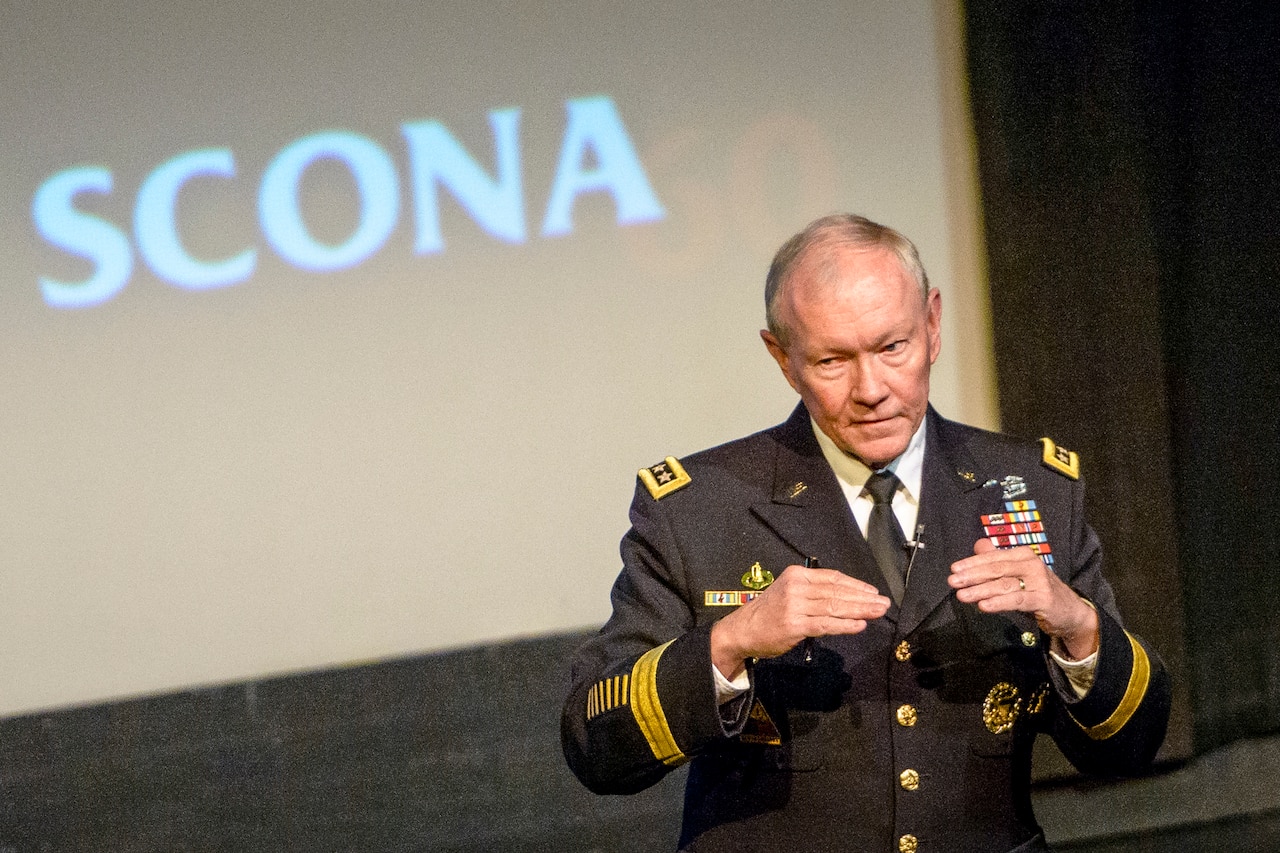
855, 624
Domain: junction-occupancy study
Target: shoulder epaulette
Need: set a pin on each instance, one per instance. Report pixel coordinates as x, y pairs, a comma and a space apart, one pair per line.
1060, 459
664, 478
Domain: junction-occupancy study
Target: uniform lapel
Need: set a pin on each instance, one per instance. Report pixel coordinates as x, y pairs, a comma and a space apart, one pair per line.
951, 504
807, 509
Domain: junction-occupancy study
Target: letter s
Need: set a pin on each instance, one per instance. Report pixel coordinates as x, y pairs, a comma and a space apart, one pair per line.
78, 233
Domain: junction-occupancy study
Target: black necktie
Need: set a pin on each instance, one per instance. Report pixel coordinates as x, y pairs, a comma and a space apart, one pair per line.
884, 535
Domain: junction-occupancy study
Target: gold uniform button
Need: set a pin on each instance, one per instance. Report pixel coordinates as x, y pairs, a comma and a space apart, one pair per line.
909, 779
907, 716
903, 651
908, 844
1028, 639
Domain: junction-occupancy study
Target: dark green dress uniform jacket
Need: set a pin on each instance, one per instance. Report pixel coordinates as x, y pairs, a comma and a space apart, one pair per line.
913, 735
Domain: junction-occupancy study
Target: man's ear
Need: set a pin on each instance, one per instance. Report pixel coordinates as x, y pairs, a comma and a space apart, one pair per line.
934, 323
779, 355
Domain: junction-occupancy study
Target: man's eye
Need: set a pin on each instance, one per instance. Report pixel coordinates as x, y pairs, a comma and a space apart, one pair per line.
896, 346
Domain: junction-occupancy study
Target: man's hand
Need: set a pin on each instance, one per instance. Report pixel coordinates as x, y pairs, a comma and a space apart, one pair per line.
1000, 580
801, 603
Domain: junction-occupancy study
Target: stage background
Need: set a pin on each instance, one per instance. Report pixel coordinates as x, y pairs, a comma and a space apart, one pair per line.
1126, 158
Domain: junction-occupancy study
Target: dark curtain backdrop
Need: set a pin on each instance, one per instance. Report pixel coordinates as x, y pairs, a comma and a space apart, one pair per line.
1128, 161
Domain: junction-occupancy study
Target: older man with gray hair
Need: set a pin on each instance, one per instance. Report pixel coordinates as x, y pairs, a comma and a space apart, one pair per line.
836, 683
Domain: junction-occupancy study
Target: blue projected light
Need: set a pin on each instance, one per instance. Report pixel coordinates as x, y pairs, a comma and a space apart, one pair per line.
281, 218
495, 201
81, 234
156, 229
497, 206
594, 124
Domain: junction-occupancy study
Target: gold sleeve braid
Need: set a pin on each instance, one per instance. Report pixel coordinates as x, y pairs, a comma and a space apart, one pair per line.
1139, 679
647, 708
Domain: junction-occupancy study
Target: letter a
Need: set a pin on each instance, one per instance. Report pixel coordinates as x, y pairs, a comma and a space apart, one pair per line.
594, 124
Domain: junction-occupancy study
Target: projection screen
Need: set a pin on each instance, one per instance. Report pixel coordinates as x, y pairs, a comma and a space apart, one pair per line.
336, 332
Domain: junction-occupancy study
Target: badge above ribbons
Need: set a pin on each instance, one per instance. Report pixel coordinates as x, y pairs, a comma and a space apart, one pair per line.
756, 577
756, 580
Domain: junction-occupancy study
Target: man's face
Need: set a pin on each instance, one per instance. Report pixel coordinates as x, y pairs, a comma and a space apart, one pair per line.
862, 341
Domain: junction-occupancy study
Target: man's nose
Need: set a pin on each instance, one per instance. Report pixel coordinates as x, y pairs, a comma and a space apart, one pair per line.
869, 387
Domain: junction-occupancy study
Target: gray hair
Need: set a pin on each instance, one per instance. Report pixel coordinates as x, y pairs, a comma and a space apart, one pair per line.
830, 232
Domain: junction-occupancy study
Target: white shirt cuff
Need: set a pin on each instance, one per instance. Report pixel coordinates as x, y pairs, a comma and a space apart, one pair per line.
1078, 672
727, 690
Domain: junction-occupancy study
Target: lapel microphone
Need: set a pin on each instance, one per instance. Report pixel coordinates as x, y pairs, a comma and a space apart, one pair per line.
913, 546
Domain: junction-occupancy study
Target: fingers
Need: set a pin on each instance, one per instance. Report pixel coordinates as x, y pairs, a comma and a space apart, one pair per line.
823, 582
999, 580
1002, 580
837, 596
821, 593
990, 599
806, 602
833, 627
1058, 609
989, 562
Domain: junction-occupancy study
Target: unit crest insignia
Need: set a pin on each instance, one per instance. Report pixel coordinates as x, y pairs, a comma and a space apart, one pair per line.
760, 728
756, 580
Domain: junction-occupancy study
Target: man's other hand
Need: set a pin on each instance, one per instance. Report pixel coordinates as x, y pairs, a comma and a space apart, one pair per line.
999, 580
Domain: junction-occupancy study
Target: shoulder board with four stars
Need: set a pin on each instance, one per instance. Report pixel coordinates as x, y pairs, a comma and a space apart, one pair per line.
1060, 459
664, 478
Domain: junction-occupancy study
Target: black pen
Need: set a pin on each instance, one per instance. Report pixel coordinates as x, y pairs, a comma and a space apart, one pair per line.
809, 563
